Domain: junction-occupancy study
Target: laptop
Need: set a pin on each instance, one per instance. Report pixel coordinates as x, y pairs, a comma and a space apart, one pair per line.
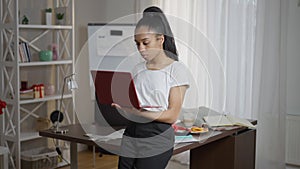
116, 87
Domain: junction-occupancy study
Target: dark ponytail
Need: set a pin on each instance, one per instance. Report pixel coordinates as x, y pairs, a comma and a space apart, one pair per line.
155, 19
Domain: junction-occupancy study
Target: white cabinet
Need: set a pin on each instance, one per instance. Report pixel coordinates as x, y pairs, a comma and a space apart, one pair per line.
20, 122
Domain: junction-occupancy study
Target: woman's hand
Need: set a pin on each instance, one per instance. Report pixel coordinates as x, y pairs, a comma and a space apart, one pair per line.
132, 113
116, 105
168, 116
131, 110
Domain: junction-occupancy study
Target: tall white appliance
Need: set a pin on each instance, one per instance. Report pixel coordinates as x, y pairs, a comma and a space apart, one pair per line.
111, 47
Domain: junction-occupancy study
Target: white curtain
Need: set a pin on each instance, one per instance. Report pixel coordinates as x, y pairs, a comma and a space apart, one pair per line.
235, 50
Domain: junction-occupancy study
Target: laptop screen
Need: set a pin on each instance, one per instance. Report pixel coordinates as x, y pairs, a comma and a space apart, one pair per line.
115, 87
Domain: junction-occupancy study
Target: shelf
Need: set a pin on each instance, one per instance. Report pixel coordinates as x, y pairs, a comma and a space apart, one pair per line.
46, 98
26, 136
20, 127
45, 27
58, 62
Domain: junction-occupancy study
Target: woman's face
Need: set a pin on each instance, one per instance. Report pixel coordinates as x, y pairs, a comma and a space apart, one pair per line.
148, 42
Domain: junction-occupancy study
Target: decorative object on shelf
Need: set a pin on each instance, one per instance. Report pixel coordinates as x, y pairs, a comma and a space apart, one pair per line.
48, 16
54, 48
24, 85
57, 115
45, 55
60, 15
39, 90
49, 89
2, 106
42, 124
60, 18
25, 20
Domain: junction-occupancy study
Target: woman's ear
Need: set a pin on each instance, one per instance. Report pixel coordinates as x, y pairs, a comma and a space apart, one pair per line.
161, 38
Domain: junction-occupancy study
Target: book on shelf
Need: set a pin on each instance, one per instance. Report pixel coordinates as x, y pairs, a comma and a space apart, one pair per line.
27, 94
28, 53
24, 52
26, 91
21, 53
227, 120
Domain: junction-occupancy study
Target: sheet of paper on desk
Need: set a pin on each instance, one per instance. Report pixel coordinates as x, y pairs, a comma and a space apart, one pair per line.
226, 120
115, 135
195, 138
185, 139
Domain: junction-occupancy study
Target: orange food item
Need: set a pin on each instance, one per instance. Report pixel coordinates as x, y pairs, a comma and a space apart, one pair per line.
196, 129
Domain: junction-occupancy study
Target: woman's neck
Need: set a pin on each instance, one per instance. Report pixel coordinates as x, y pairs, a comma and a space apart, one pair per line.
159, 62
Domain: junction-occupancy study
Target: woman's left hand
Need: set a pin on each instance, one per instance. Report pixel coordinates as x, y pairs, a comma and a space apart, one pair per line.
116, 105
131, 110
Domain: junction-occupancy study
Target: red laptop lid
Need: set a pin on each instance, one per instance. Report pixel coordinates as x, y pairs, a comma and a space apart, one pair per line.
115, 87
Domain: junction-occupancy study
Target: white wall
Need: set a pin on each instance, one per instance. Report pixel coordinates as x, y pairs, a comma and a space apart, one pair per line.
92, 11
293, 58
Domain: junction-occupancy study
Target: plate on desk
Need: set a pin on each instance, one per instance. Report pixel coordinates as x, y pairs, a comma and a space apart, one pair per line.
198, 130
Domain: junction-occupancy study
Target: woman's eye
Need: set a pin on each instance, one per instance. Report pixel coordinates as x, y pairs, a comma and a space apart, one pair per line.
145, 43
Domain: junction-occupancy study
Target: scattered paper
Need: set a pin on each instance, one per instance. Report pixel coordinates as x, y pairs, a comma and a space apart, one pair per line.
115, 135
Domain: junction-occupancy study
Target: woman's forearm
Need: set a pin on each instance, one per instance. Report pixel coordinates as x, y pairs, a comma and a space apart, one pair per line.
167, 116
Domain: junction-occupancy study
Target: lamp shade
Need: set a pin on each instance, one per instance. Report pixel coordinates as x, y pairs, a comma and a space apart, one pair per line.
72, 84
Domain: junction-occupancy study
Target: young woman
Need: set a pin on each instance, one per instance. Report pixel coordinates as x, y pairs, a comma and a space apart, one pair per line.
161, 82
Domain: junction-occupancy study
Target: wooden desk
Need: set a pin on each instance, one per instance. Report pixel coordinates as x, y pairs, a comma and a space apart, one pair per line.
233, 149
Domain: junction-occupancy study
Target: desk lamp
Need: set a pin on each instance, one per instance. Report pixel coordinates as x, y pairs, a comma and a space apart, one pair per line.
57, 115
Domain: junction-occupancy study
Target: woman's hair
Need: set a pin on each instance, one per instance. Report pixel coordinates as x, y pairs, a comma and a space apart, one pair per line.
155, 20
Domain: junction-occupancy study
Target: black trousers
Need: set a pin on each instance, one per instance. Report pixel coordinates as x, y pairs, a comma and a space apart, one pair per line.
146, 146
155, 162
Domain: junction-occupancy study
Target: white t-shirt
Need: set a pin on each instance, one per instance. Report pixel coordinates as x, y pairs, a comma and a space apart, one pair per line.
153, 86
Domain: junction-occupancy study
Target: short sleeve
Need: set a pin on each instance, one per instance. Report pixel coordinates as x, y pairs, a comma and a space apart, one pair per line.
180, 75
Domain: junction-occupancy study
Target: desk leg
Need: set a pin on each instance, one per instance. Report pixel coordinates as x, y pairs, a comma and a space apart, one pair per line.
73, 154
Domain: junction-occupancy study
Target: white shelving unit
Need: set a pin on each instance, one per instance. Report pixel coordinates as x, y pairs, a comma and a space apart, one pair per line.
17, 126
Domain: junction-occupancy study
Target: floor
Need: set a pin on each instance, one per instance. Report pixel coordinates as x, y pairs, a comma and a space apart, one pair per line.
85, 159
